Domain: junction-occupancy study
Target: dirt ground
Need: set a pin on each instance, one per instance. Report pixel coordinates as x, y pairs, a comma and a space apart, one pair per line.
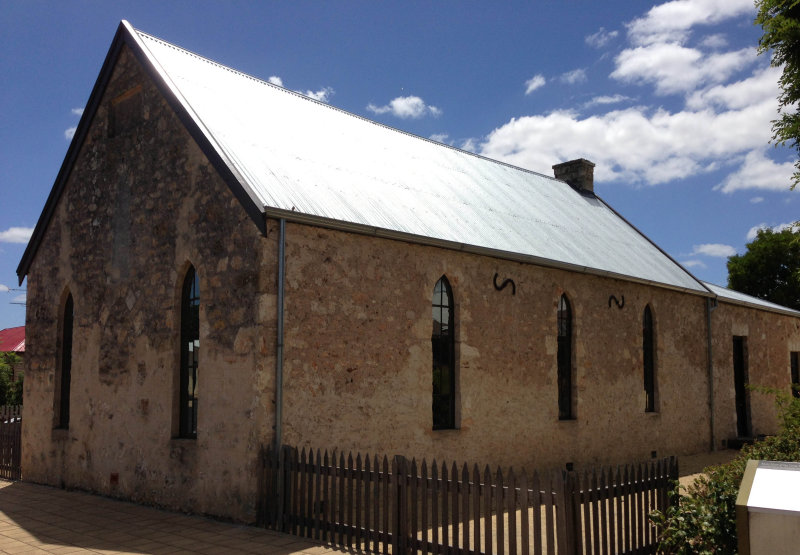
691, 466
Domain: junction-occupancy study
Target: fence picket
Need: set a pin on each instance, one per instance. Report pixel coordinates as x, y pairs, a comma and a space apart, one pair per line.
465, 493
487, 511
537, 515
359, 505
511, 507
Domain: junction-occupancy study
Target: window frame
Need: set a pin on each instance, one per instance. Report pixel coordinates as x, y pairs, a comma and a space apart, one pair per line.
443, 404
189, 355
564, 363
649, 360
61, 409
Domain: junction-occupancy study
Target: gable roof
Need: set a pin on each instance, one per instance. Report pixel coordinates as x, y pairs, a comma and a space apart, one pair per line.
286, 155
12, 340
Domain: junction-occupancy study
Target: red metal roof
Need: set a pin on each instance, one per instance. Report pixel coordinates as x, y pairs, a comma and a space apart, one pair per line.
12, 340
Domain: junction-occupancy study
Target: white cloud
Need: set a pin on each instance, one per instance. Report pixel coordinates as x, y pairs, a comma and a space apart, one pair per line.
636, 144
601, 37
694, 264
673, 68
672, 21
77, 111
69, 133
535, 82
439, 137
573, 77
20, 298
4, 288
717, 250
323, 95
751, 234
275, 80
714, 41
470, 145
16, 235
406, 107
761, 86
758, 172
756, 200
613, 99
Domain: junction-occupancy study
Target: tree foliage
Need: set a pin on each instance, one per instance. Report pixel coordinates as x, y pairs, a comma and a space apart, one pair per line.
770, 269
10, 390
780, 20
703, 519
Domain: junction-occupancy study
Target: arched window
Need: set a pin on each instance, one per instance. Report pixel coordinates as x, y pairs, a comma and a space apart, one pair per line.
649, 361
443, 344
190, 347
566, 410
65, 371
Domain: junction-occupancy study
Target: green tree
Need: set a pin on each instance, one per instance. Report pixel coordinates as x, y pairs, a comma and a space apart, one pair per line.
780, 20
10, 390
770, 269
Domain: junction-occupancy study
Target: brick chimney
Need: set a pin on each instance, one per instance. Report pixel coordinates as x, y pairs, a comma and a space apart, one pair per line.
578, 173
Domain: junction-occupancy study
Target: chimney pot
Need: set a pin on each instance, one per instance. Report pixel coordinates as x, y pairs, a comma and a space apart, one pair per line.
579, 174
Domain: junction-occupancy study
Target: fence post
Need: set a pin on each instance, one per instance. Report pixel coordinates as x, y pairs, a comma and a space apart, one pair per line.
566, 522
400, 520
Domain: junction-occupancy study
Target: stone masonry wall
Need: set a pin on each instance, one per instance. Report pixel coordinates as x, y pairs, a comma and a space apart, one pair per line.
358, 358
770, 338
140, 205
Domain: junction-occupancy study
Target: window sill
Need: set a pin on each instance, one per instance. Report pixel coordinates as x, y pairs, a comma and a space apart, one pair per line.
60, 434
652, 414
567, 421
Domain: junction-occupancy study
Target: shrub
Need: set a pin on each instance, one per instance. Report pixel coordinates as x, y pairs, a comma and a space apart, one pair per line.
703, 519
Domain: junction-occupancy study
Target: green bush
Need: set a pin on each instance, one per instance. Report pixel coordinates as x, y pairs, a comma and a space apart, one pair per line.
703, 519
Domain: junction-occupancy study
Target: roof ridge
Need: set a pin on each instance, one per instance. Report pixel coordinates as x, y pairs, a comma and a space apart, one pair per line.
336, 108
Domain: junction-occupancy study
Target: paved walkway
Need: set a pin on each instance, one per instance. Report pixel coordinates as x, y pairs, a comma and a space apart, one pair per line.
41, 519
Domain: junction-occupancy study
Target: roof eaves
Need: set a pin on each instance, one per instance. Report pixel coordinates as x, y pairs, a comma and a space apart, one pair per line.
361, 229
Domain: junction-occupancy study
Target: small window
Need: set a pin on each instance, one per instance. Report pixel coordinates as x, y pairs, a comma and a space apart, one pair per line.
443, 347
795, 365
65, 363
190, 348
648, 352
566, 409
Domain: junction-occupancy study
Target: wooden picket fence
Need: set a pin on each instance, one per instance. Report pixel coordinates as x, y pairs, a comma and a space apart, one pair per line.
400, 506
10, 442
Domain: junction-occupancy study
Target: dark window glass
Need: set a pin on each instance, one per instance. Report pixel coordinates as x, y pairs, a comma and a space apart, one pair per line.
443, 346
66, 363
648, 350
190, 347
795, 361
565, 408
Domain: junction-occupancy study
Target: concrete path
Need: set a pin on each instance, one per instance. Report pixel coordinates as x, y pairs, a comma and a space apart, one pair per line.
41, 519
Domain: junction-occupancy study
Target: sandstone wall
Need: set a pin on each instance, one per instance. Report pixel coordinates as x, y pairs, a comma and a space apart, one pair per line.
358, 357
141, 204
770, 338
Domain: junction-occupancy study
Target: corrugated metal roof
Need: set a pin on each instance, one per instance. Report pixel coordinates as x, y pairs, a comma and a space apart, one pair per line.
298, 155
735, 297
12, 340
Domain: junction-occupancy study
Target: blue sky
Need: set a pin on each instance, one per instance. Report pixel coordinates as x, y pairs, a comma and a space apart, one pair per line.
668, 99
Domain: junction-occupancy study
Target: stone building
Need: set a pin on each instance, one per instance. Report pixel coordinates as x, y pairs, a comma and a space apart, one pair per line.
223, 264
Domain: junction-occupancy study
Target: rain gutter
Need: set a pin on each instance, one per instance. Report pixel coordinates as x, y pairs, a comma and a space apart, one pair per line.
279, 339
